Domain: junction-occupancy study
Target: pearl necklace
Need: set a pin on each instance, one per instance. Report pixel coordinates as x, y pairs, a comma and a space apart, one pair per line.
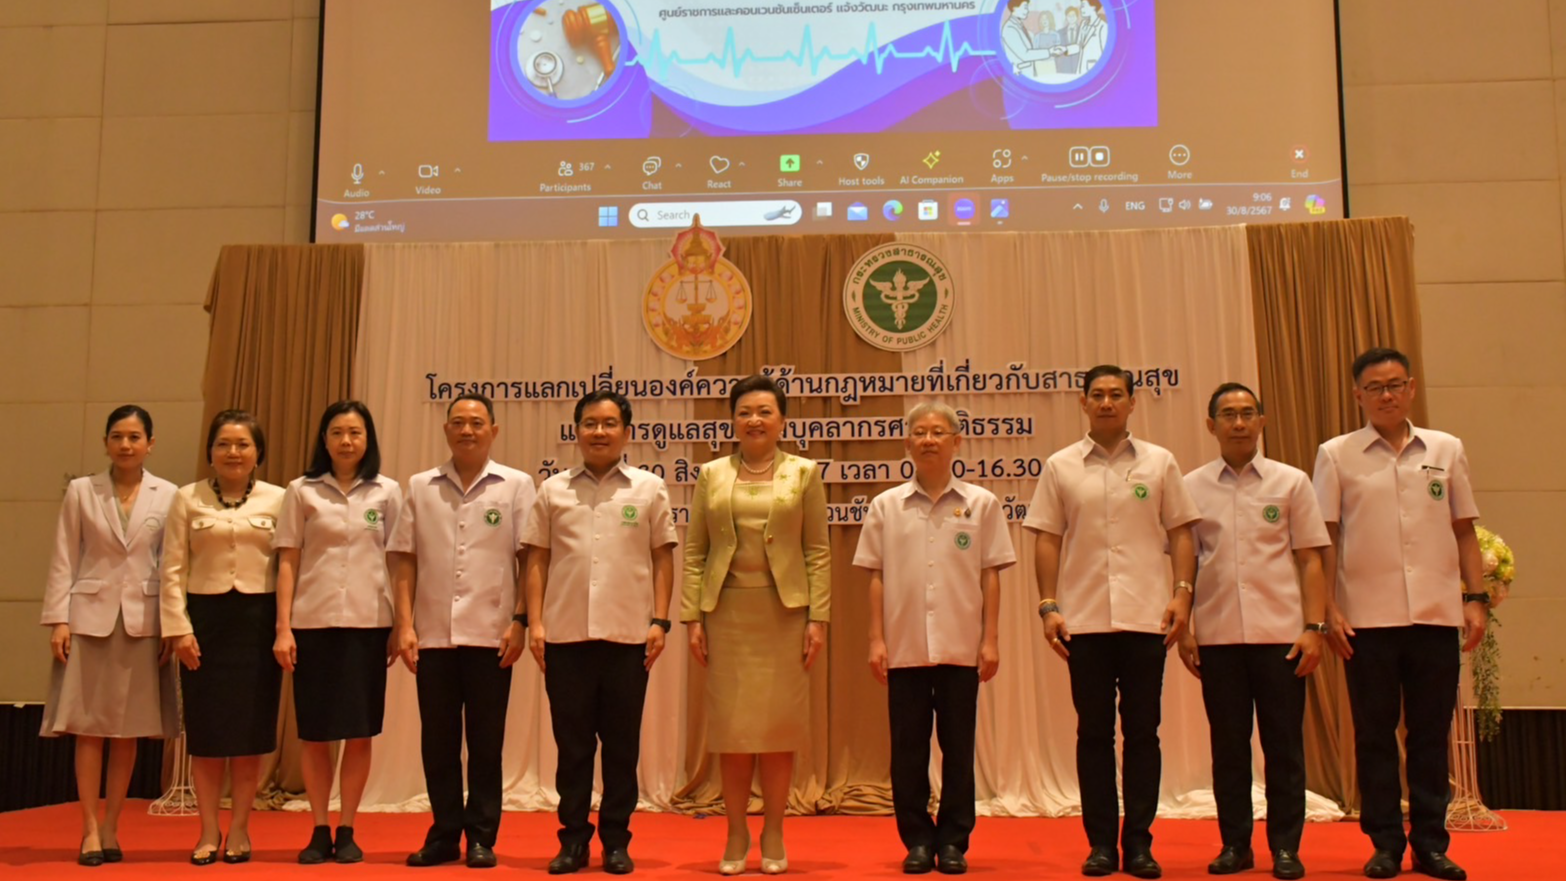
762, 470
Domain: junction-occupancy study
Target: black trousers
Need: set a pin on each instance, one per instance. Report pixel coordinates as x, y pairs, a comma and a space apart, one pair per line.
1237, 679
596, 691
1415, 667
1101, 665
462, 688
914, 695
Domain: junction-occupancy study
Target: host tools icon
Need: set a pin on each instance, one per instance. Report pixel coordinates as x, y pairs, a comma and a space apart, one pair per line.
862, 161
892, 209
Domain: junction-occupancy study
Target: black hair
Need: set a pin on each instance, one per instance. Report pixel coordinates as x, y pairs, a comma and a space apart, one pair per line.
1107, 370
489, 405
756, 382
1221, 391
1378, 355
603, 394
126, 411
321, 459
240, 418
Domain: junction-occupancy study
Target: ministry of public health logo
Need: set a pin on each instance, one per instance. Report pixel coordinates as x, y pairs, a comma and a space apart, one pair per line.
898, 297
1271, 513
493, 516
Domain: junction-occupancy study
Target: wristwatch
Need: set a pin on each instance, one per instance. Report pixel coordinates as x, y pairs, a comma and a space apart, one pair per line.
1048, 606
1477, 598
1318, 627
662, 622
521, 618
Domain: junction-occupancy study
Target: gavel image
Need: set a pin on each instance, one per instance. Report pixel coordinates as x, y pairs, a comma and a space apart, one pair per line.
591, 26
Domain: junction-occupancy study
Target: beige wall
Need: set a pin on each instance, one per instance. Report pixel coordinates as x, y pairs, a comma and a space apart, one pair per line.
139, 135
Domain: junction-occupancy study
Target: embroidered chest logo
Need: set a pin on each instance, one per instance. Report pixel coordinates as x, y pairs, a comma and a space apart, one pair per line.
628, 515
1437, 490
1141, 491
962, 540
1271, 513
372, 516
493, 516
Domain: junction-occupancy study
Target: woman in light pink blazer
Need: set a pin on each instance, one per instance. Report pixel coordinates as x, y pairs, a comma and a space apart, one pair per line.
110, 680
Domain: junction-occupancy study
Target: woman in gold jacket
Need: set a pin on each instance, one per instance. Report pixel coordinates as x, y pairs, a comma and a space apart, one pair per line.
756, 597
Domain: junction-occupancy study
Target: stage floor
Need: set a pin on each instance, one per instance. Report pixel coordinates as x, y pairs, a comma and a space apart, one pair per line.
42, 843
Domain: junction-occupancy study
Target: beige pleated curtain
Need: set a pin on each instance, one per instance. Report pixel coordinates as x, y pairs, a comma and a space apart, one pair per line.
284, 332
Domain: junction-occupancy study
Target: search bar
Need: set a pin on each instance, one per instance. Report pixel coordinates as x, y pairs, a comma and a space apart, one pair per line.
667, 215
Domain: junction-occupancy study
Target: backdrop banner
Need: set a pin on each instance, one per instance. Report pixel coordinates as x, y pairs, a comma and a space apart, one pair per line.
1000, 326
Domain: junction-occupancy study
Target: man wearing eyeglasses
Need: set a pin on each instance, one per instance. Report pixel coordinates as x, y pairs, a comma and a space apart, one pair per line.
600, 571
1258, 625
1401, 512
1106, 509
935, 547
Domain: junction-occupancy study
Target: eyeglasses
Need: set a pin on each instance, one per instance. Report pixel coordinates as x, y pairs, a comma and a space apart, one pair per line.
1392, 388
936, 434
1247, 415
590, 426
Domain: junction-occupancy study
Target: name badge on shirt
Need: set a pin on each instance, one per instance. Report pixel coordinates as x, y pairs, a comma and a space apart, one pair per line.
372, 519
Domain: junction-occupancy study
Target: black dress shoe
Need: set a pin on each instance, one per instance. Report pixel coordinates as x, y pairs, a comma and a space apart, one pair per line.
1382, 864
319, 850
919, 861
434, 855
1287, 865
618, 862
950, 860
344, 850
1231, 860
1101, 861
571, 858
1437, 865
480, 856
1141, 865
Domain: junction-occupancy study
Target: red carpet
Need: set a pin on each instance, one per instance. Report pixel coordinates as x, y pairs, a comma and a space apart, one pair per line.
42, 843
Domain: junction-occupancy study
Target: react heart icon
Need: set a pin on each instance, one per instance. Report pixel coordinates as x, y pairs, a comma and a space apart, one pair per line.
719, 164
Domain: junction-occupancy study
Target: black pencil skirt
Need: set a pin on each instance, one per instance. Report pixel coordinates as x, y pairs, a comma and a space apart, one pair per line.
340, 682
231, 699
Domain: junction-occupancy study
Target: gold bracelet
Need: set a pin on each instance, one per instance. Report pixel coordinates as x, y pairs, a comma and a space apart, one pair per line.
1046, 600
1186, 586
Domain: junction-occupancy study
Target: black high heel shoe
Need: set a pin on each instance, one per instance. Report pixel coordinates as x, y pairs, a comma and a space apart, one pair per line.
89, 857
197, 858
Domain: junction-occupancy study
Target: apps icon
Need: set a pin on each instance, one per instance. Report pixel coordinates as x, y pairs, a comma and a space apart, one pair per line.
929, 209
892, 210
858, 211
789, 162
963, 210
1316, 205
823, 210
609, 215
1000, 208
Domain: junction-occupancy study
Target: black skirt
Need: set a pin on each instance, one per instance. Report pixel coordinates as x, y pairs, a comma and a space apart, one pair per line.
340, 682
231, 700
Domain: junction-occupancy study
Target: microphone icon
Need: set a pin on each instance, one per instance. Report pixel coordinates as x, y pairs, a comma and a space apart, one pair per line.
358, 173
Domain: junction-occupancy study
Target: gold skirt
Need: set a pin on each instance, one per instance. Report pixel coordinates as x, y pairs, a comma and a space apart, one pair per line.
758, 692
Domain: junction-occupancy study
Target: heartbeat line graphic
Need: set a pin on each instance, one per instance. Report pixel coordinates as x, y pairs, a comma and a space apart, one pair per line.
947, 49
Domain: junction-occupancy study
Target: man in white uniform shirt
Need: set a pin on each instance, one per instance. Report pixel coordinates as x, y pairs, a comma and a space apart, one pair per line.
935, 548
456, 556
1256, 629
599, 574
1105, 510
1401, 514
